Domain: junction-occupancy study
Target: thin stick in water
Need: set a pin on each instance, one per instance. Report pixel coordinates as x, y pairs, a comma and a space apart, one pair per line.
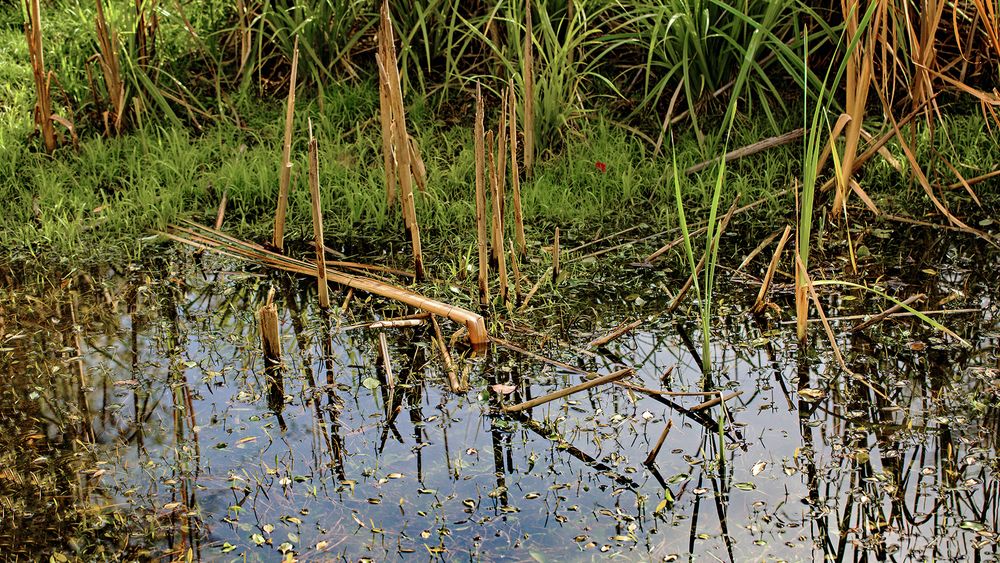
886, 313
712, 402
616, 333
659, 443
449, 365
761, 303
611, 377
383, 349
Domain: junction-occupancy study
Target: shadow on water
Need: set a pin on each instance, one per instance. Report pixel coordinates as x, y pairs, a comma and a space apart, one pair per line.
137, 420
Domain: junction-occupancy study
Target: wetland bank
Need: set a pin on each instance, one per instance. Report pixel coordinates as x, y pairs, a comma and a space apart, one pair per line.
345, 280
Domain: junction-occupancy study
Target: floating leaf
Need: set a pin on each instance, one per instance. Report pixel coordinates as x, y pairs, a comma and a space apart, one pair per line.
758, 468
812, 394
227, 547
745, 486
257, 539
503, 389
370, 383
679, 478
972, 525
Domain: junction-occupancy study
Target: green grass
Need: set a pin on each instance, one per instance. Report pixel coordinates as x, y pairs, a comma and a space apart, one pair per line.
102, 202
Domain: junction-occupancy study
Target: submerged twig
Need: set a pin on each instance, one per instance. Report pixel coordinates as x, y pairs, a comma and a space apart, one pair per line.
712, 402
659, 443
886, 313
570, 390
616, 333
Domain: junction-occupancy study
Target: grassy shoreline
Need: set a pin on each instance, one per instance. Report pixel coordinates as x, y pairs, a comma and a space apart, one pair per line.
102, 201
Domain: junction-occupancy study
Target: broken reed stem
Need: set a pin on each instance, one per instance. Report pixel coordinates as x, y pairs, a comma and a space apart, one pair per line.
43, 109
533, 290
514, 177
383, 349
449, 365
555, 257
712, 402
417, 167
528, 74
226, 245
761, 303
385, 119
659, 443
81, 370
400, 139
480, 140
666, 248
556, 363
499, 252
570, 390
317, 217
616, 333
760, 248
270, 343
285, 176
394, 323
886, 313
220, 213
501, 158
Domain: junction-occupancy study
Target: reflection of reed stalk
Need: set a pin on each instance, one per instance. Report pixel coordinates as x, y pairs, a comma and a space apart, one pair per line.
317, 217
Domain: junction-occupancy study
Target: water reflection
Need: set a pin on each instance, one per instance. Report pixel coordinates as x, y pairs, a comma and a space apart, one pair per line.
155, 402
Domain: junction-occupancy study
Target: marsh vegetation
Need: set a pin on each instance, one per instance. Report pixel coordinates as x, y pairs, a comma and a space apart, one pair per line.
358, 280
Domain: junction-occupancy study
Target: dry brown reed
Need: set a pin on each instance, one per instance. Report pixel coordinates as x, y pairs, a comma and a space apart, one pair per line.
609, 378
515, 173
270, 343
399, 141
383, 349
659, 443
285, 174
761, 302
480, 144
200, 236
317, 219
107, 58
497, 244
449, 364
43, 107
528, 74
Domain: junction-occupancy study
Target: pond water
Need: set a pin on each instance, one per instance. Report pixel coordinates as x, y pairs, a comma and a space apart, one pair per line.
138, 422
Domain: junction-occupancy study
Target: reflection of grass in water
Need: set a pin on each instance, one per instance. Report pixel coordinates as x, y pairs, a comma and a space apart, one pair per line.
216, 321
